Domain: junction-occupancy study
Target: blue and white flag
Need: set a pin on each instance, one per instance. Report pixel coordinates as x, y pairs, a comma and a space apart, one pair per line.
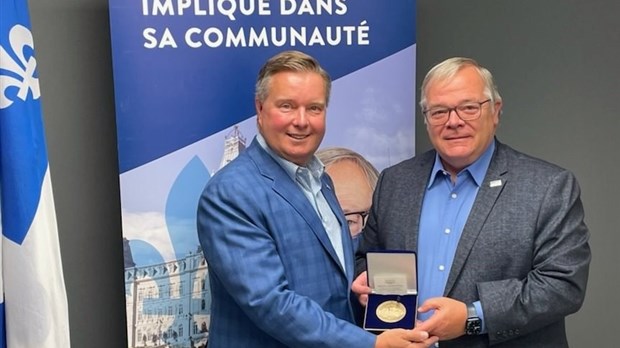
33, 308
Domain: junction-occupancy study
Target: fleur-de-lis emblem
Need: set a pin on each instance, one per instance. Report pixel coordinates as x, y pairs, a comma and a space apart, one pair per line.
18, 73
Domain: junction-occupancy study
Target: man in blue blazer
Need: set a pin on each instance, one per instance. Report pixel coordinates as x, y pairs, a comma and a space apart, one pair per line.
502, 247
276, 241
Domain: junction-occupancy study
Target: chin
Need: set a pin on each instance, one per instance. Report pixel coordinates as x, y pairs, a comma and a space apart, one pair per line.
299, 160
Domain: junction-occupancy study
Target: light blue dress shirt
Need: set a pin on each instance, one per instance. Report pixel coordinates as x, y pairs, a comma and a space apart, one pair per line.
445, 210
309, 180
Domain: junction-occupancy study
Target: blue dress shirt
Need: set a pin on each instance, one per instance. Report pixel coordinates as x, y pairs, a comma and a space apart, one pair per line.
445, 210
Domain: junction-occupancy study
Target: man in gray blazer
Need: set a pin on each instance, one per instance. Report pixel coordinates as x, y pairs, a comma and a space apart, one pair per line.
501, 243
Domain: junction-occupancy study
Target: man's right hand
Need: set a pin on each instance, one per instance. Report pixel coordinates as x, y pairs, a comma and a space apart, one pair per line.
361, 289
401, 338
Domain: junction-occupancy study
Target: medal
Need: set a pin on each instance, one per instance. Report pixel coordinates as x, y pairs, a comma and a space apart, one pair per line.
391, 311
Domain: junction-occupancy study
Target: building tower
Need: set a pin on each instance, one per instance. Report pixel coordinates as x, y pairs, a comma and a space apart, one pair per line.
234, 143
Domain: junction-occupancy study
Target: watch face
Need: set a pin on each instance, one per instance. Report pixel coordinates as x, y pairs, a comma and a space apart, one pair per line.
473, 326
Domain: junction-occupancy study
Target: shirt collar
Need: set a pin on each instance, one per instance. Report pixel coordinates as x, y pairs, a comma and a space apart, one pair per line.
315, 167
477, 170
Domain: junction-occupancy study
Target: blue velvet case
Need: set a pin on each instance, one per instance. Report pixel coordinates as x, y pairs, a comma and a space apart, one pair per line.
392, 275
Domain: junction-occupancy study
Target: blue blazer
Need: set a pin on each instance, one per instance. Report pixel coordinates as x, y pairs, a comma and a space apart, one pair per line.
275, 278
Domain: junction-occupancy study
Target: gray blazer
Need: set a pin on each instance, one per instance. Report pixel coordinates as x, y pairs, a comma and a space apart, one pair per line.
523, 252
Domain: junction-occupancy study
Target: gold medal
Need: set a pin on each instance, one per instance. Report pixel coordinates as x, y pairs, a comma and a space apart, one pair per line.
391, 311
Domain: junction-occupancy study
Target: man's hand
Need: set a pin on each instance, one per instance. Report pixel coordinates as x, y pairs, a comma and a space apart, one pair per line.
448, 321
401, 338
361, 289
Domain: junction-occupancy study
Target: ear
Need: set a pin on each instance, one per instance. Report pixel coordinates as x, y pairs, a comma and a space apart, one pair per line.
259, 109
498, 111
258, 105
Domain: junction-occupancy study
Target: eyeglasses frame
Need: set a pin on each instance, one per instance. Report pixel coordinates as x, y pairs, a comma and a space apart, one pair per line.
455, 109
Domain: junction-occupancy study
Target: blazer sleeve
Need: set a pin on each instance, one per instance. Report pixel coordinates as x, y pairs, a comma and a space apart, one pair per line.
557, 245
234, 222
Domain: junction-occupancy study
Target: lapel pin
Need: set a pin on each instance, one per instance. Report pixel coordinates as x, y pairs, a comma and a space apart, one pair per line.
495, 183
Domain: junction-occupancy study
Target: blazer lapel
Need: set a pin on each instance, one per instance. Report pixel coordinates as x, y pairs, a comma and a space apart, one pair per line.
418, 181
347, 244
489, 191
285, 187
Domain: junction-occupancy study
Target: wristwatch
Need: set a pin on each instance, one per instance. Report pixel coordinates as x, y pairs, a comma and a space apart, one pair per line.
473, 324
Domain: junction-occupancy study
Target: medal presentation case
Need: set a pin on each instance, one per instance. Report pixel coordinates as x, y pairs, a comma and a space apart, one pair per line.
392, 276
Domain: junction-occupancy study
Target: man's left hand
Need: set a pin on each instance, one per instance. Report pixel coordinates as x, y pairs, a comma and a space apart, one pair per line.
448, 320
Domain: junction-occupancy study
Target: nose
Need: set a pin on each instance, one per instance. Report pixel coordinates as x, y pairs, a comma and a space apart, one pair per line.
300, 119
454, 121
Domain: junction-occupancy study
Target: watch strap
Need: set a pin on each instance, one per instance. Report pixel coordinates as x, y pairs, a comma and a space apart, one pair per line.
473, 324
471, 311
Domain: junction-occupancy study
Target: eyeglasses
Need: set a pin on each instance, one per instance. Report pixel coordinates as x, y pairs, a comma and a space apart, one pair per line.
356, 221
467, 112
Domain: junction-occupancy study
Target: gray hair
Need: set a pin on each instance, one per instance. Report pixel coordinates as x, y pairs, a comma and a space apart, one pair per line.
333, 155
294, 61
449, 68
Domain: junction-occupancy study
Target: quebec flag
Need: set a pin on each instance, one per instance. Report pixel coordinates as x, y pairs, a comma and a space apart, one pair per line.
33, 301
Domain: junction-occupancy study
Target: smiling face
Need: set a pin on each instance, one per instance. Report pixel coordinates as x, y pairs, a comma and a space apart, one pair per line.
292, 116
460, 143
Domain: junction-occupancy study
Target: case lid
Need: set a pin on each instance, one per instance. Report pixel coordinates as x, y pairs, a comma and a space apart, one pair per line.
392, 272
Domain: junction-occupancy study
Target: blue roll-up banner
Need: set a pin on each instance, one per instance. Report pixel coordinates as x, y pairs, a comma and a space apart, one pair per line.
184, 76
